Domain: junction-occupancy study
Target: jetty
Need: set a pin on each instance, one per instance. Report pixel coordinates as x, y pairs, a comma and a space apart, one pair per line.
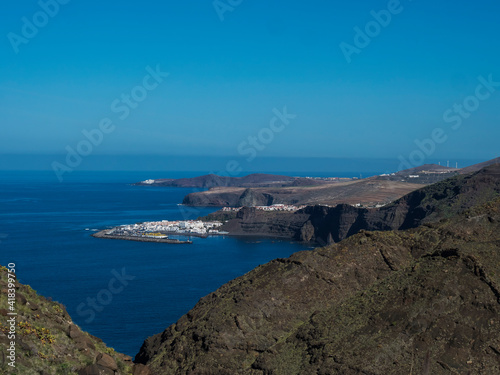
104, 234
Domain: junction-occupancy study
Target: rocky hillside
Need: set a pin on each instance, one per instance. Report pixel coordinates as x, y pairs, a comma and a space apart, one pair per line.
476, 167
264, 189
49, 343
431, 173
366, 191
421, 301
332, 224
425, 174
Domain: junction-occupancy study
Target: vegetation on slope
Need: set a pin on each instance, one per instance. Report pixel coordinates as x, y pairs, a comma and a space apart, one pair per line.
48, 342
421, 301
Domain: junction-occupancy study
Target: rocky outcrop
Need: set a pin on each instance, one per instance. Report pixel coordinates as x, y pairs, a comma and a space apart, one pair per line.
250, 221
251, 198
213, 198
325, 224
229, 198
421, 301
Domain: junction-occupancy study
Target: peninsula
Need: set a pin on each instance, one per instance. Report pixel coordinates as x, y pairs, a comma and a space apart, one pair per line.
411, 287
251, 180
326, 213
268, 189
425, 300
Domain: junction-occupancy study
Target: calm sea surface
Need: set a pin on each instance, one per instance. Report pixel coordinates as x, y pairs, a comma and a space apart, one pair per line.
45, 228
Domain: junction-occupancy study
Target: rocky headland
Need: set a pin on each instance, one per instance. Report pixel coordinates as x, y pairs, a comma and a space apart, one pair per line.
409, 288
264, 189
251, 180
325, 225
425, 300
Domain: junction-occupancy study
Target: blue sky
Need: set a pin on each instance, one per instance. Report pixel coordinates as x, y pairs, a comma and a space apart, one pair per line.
226, 77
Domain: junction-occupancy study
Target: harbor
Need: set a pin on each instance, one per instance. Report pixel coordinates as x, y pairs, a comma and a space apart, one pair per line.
159, 231
104, 234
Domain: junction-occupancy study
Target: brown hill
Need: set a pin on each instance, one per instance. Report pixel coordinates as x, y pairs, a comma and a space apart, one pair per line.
432, 168
367, 191
422, 301
477, 167
332, 224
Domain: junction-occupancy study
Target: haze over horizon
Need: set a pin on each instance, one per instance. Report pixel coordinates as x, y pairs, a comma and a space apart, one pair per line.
256, 80
355, 227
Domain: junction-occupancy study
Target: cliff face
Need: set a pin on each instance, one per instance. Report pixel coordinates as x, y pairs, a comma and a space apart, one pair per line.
274, 224
48, 342
228, 198
218, 199
424, 301
332, 224
251, 198
421, 301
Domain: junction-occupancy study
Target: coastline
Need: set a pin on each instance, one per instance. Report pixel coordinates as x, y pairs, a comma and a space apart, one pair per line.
238, 234
102, 234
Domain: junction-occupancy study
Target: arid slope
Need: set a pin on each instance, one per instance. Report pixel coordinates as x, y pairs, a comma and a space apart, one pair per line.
49, 343
331, 224
420, 301
367, 191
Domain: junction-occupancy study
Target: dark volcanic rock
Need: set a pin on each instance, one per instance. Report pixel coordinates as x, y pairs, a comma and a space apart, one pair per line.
140, 369
105, 360
249, 221
223, 199
421, 301
251, 198
321, 223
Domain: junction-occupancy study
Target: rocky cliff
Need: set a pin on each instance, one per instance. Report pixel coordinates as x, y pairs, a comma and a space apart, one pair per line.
332, 224
420, 301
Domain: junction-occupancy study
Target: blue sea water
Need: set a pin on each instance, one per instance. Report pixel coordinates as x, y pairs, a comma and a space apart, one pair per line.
46, 227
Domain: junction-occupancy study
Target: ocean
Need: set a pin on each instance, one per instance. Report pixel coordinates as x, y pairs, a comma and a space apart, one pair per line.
119, 291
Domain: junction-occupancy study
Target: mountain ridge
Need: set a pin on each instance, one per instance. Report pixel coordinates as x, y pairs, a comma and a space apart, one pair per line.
212, 180
369, 191
423, 300
331, 224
